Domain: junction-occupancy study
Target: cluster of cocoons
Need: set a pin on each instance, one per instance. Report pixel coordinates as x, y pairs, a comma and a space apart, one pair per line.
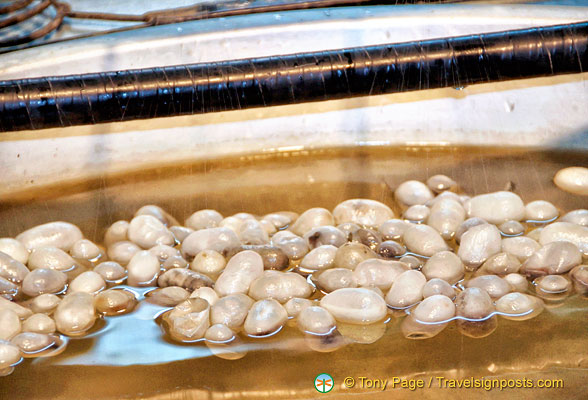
435, 257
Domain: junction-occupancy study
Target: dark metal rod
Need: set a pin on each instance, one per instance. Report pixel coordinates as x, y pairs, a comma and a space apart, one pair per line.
238, 84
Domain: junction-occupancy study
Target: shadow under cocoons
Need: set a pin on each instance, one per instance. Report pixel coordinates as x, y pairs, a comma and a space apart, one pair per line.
326, 343
414, 329
477, 329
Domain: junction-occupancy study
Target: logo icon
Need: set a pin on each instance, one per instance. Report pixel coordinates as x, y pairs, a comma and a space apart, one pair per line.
324, 383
